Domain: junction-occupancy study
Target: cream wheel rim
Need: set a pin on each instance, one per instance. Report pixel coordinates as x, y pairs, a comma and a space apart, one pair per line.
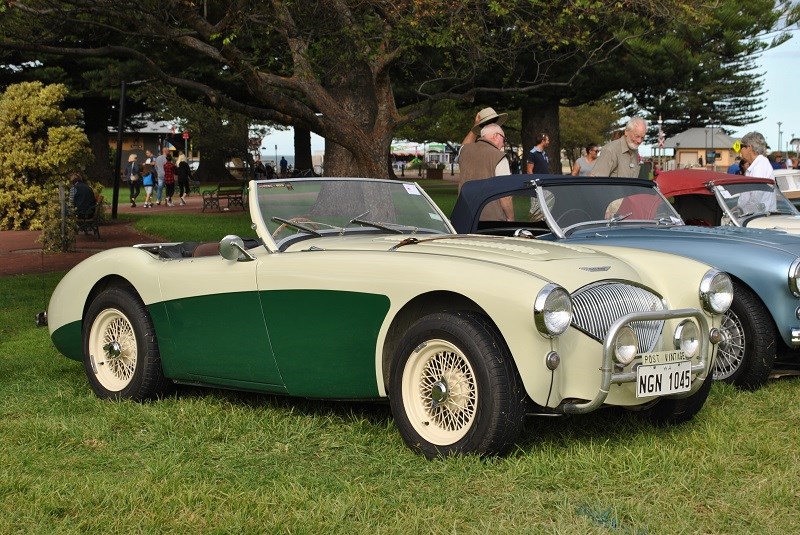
440, 392
112, 349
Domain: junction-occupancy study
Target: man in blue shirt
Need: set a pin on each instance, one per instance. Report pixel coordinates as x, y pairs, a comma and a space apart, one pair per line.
538, 163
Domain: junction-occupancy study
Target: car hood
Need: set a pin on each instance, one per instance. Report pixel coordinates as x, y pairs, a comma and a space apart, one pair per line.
549, 260
701, 238
787, 223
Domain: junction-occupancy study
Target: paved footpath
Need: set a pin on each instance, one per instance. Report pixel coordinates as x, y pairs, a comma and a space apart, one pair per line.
21, 254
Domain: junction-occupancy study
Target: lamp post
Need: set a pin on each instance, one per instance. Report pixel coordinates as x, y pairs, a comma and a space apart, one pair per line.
713, 150
118, 158
779, 135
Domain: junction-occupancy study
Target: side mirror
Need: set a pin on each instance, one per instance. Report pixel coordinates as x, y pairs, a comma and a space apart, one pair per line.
231, 247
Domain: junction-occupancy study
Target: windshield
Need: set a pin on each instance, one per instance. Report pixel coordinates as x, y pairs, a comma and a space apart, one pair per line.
574, 205
337, 206
745, 200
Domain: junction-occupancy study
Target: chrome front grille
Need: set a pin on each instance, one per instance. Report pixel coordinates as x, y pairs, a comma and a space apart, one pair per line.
597, 306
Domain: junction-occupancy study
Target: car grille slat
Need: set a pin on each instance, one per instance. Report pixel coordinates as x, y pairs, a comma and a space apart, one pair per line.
597, 306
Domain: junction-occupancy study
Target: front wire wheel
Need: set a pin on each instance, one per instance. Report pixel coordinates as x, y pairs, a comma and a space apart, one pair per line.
747, 352
730, 351
442, 393
454, 388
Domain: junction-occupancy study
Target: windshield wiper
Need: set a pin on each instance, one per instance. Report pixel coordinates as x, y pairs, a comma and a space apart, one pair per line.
618, 217
377, 224
297, 225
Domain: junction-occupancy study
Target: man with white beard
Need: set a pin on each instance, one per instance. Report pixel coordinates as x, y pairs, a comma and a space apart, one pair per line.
620, 158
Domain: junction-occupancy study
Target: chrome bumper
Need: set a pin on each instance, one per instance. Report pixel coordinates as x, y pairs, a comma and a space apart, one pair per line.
608, 377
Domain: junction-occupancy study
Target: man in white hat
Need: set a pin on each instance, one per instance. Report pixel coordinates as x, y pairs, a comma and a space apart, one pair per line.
484, 117
486, 158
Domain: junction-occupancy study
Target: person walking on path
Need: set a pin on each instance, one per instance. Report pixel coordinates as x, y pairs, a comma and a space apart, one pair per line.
584, 165
538, 162
148, 181
184, 177
132, 176
620, 158
160, 161
284, 167
169, 178
485, 159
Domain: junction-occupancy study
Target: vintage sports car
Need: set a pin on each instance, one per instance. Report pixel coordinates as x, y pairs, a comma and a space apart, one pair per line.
711, 199
360, 289
763, 322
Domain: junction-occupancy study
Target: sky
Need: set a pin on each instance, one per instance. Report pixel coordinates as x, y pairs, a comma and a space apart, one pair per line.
781, 68
782, 100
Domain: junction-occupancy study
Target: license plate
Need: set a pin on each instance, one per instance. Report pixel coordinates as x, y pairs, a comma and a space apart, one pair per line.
662, 379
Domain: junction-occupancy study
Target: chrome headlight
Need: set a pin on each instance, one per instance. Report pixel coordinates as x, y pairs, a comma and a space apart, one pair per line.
626, 345
794, 277
716, 291
687, 338
552, 310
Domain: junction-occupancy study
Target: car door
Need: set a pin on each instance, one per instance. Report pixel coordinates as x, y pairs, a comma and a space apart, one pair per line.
216, 331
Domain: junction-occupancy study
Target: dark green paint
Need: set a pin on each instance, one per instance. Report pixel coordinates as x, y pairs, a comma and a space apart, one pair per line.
221, 335
319, 343
324, 341
68, 340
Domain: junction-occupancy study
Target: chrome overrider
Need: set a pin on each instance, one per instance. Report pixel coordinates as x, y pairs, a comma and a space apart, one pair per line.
609, 377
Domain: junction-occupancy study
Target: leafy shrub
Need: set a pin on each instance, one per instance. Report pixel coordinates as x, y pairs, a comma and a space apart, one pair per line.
40, 145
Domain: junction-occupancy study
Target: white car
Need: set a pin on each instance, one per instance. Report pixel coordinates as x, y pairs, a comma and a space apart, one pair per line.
361, 289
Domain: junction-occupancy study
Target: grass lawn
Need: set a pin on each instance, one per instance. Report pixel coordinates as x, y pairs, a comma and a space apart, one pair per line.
215, 461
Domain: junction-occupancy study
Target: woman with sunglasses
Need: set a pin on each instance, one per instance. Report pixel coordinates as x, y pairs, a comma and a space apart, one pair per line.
584, 165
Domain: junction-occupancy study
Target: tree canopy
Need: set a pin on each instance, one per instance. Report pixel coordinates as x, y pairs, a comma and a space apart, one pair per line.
353, 71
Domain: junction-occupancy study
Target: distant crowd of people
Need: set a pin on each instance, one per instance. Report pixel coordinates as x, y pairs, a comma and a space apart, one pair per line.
161, 174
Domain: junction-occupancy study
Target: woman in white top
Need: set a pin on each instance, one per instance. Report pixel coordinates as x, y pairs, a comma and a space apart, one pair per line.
584, 165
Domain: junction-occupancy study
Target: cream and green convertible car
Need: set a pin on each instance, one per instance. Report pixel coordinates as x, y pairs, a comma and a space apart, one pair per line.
360, 289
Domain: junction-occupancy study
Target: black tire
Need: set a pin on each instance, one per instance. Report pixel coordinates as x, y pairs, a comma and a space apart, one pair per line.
454, 388
746, 354
671, 411
120, 350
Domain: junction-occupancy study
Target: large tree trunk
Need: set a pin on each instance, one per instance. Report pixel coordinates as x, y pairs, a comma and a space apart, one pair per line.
541, 116
95, 116
367, 130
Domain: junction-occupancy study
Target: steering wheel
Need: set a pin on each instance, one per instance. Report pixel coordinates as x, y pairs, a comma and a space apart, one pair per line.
577, 214
737, 211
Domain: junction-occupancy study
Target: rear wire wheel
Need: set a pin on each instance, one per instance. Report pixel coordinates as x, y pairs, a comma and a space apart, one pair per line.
454, 388
120, 351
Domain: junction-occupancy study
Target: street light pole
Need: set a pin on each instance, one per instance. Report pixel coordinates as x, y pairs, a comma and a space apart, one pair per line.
118, 158
779, 135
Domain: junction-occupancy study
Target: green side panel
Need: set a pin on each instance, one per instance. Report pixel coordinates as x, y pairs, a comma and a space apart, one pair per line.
324, 341
220, 336
68, 340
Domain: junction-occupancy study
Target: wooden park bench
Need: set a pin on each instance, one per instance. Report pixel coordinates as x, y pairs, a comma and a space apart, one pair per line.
233, 192
87, 223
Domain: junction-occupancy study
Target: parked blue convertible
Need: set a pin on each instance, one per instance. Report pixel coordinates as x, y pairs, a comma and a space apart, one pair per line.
762, 324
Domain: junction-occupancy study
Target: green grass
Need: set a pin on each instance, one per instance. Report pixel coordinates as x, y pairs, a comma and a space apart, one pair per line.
214, 461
